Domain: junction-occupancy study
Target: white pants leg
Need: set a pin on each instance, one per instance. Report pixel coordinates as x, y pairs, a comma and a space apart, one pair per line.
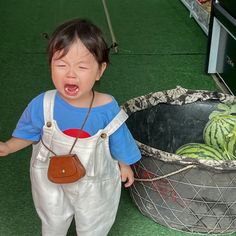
96, 207
51, 203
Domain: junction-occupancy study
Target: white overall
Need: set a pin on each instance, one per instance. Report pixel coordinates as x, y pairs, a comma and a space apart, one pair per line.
93, 200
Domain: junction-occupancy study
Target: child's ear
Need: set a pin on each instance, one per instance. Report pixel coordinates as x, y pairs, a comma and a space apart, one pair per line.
103, 67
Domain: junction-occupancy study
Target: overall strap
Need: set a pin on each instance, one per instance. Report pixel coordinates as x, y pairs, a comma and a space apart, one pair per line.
48, 104
117, 121
46, 140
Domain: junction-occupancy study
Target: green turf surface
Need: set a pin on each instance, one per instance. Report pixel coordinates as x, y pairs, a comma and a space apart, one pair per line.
160, 47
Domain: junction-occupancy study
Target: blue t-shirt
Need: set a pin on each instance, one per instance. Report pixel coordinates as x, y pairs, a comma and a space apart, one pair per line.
70, 119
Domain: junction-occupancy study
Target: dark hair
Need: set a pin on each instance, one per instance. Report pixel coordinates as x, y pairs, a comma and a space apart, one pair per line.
88, 33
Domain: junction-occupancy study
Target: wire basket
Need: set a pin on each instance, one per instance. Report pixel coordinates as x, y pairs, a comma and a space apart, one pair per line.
183, 193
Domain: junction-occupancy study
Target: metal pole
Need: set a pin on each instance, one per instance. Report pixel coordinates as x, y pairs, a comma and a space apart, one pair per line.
114, 43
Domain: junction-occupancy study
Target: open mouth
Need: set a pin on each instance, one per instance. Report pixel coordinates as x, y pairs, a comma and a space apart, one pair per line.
71, 89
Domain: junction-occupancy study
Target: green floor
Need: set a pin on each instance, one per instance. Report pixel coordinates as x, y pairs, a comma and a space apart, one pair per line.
160, 47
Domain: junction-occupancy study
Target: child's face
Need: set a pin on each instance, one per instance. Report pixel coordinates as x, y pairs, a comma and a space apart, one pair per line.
74, 74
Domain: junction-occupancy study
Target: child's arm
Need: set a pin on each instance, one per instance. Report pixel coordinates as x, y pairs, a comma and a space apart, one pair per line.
13, 145
127, 174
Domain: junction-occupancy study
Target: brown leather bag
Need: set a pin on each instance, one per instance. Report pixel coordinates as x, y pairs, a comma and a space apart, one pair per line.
65, 169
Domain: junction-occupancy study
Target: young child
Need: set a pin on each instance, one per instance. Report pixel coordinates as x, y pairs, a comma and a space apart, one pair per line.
78, 56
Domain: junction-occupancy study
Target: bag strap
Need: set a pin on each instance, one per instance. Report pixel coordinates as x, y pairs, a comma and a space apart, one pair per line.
86, 118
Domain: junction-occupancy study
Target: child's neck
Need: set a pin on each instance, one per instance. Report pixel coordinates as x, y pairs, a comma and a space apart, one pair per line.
83, 102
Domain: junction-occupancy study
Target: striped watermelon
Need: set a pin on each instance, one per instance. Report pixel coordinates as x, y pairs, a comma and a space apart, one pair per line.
220, 132
224, 109
200, 151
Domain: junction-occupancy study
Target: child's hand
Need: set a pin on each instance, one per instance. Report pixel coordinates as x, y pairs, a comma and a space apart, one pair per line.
127, 174
4, 149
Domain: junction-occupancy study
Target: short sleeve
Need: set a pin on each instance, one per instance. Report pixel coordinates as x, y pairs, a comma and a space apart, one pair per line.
31, 122
122, 144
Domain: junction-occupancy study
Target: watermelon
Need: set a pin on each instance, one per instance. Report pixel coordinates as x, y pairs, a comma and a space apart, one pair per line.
220, 132
224, 109
200, 151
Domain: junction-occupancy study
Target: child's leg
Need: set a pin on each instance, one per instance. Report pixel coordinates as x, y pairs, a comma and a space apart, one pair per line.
96, 207
52, 206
